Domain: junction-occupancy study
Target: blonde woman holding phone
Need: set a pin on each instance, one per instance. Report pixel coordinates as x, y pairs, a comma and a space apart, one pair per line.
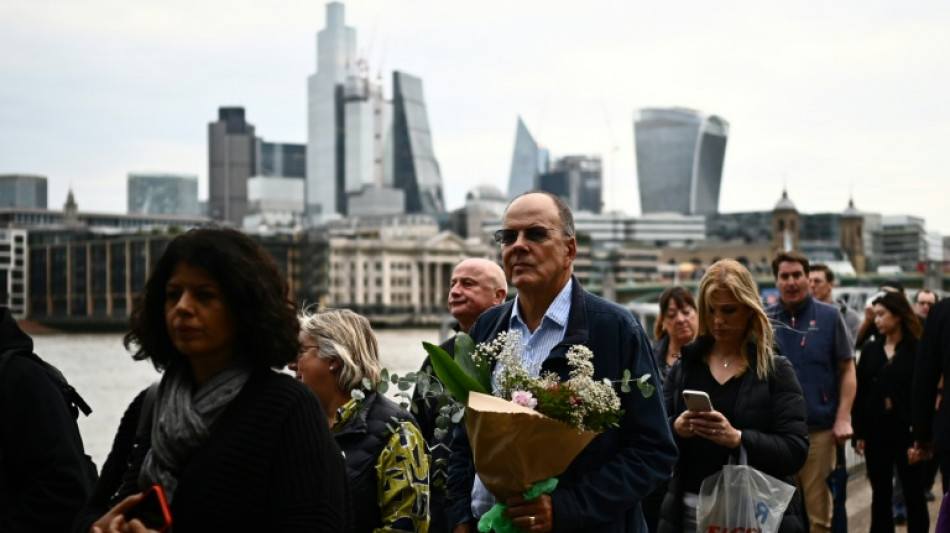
752, 395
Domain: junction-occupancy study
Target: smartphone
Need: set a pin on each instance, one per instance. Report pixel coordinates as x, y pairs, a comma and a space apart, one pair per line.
152, 510
697, 400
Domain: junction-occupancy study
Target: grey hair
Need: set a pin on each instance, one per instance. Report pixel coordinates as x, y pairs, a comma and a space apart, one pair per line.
347, 336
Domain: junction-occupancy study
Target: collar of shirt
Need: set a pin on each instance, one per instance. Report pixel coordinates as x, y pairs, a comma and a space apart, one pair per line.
557, 312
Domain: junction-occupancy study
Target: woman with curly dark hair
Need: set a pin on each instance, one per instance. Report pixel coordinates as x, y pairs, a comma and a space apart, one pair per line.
235, 445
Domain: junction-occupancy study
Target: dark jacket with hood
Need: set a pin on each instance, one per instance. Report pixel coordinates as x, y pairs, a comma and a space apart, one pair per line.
602, 489
770, 414
45, 475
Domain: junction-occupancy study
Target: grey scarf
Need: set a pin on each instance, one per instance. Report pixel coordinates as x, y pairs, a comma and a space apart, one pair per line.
182, 419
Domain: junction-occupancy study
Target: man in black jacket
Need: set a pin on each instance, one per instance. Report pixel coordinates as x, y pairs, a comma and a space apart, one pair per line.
45, 475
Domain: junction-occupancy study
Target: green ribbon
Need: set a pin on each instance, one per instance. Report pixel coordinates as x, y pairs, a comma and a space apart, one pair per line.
496, 519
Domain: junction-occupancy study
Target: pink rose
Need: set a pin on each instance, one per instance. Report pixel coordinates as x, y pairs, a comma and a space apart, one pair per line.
524, 398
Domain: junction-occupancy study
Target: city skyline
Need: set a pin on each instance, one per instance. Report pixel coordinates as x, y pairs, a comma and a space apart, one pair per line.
828, 101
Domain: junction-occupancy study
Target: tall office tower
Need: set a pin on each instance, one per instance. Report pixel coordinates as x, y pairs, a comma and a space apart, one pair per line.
578, 179
367, 123
231, 151
415, 169
336, 59
162, 194
280, 160
680, 153
528, 161
23, 190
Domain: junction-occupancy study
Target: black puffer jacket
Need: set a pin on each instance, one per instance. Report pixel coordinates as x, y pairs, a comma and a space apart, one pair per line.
770, 414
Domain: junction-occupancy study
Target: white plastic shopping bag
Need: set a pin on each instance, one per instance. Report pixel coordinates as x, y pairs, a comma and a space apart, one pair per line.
741, 498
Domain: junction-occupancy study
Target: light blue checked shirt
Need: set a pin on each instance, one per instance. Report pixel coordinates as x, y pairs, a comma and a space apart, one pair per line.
535, 348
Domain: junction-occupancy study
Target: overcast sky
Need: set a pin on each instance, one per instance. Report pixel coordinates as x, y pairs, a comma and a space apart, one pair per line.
830, 98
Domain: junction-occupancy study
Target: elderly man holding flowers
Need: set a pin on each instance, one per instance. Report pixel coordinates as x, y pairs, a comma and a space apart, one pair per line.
555, 320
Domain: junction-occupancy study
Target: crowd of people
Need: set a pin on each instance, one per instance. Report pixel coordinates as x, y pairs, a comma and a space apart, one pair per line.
234, 445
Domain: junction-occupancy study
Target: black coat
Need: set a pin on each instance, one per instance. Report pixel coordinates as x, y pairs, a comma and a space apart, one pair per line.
933, 361
270, 464
770, 414
881, 382
45, 475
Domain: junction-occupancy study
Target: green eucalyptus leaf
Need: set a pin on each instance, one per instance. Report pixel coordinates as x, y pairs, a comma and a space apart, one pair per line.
645, 388
442, 421
384, 374
383, 387
357, 395
367, 384
457, 417
439, 433
404, 385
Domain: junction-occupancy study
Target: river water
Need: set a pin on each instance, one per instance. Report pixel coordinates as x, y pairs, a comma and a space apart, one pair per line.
103, 372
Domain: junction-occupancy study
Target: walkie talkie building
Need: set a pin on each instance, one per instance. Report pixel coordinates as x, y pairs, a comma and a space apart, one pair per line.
680, 153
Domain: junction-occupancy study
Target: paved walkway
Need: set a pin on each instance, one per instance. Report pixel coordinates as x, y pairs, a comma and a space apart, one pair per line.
859, 505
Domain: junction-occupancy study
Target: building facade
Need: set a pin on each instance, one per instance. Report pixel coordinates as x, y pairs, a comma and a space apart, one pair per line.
578, 180
162, 194
395, 269
14, 271
232, 148
280, 160
274, 202
23, 191
680, 155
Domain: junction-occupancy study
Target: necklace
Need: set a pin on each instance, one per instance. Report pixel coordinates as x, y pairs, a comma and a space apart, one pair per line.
725, 363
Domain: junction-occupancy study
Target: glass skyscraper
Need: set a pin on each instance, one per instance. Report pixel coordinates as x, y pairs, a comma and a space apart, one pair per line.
336, 58
415, 168
528, 161
680, 154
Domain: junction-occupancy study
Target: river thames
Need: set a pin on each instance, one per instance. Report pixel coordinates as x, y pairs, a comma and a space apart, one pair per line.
103, 372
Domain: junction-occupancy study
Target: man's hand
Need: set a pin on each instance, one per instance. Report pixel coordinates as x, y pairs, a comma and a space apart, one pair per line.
843, 430
531, 515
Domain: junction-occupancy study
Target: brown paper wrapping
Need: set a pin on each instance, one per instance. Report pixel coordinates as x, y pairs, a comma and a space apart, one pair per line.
514, 446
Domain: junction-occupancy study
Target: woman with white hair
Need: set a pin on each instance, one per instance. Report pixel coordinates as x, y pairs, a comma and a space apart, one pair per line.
385, 454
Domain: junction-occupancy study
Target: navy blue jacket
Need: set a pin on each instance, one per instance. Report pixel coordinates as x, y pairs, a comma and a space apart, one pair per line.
815, 339
602, 489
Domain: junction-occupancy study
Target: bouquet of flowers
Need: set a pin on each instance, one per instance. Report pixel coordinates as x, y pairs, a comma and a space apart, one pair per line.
511, 434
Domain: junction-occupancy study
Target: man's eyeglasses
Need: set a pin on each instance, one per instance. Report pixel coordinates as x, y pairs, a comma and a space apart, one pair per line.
507, 237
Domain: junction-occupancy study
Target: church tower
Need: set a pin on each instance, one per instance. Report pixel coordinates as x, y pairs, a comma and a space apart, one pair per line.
786, 224
852, 237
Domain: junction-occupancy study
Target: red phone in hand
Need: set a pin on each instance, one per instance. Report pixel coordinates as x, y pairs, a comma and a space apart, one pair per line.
152, 510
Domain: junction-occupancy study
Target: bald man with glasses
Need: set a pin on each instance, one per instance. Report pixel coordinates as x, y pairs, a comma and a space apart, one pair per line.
602, 489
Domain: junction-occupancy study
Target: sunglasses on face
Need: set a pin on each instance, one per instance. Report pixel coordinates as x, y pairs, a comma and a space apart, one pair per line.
507, 237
